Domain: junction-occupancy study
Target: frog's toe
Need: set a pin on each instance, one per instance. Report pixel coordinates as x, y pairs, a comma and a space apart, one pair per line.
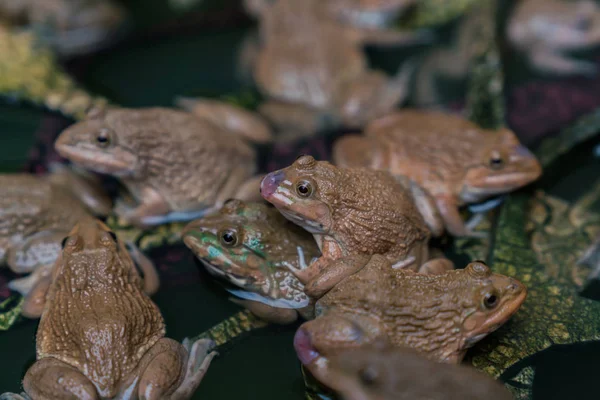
200, 351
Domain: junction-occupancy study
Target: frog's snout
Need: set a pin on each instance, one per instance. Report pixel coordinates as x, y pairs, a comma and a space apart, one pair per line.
270, 183
304, 348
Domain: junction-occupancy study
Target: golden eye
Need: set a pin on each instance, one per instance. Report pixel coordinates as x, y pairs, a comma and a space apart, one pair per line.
490, 300
103, 138
229, 238
304, 189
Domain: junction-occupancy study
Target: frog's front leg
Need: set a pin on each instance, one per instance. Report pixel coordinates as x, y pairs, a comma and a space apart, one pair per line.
14, 396
454, 222
426, 205
35, 300
166, 371
436, 266
274, 315
295, 119
50, 378
151, 278
336, 271
153, 209
250, 190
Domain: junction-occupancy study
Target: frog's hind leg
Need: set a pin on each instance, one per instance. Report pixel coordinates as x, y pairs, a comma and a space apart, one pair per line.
50, 378
201, 355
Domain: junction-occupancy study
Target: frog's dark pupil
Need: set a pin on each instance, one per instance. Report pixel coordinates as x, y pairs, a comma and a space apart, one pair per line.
113, 235
496, 161
303, 189
102, 139
368, 376
228, 237
64, 242
491, 300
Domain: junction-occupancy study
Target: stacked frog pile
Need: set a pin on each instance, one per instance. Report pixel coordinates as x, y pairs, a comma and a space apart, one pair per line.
350, 246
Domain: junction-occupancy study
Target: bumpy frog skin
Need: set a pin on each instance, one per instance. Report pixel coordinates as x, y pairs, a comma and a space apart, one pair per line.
69, 26
454, 160
250, 245
545, 30
176, 165
351, 212
110, 344
37, 213
439, 315
381, 372
311, 66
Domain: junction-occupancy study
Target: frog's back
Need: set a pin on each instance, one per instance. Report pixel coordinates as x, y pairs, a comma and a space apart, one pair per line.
378, 215
30, 204
186, 157
103, 331
428, 146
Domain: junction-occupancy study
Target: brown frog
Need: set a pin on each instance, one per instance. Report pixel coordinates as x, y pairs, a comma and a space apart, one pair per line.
311, 67
352, 212
454, 160
544, 30
100, 336
37, 213
439, 315
380, 372
250, 245
177, 165
69, 26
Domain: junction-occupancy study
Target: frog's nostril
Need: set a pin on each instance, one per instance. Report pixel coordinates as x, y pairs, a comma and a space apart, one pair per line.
270, 182
304, 348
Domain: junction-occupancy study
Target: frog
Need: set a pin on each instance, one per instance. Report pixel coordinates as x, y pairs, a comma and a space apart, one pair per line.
382, 372
440, 316
70, 27
97, 349
177, 165
38, 211
248, 244
310, 66
455, 161
352, 213
544, 31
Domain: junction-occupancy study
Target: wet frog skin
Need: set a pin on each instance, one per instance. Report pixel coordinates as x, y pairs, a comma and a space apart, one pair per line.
454, 160
545, 31
251, 245
438, 315
177, 165
381, 372
351, 212
100, 335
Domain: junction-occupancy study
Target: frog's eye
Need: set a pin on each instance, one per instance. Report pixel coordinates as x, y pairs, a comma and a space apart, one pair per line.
304, 188
229, 238
103, 138
490, 300
113, 235
496, 160
64, 242
368, 375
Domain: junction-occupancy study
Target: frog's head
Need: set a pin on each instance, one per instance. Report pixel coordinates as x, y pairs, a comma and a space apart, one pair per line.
488, 301
303, 193
92, 254
97, 144
238, 245
502, 165
368, 13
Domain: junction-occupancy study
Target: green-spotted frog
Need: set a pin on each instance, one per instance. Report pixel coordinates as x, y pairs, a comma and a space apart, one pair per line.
251, 245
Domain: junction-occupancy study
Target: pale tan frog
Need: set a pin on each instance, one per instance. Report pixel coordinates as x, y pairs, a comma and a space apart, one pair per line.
352, 213
453, 159
176, 165
438, 315
250, 246
380, 372
546, 30
101, 337
68, 26
311, 67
